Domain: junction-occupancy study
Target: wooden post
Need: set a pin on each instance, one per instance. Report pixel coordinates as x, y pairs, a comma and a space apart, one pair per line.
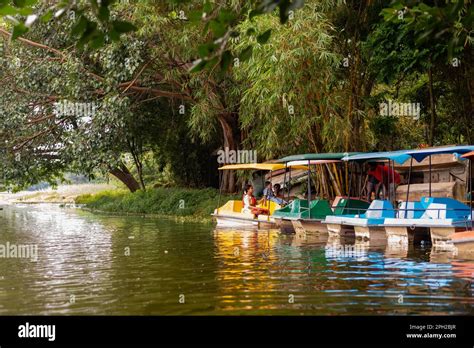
430, 176
470, 187
309, 189
408, 187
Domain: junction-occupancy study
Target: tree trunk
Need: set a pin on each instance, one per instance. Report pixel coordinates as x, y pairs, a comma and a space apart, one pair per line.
123, 174
228, 176
469, 95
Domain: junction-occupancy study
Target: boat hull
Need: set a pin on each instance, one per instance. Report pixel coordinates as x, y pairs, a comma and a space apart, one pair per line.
463, 242
285, 225
310, 226
340, 230
403, 235
224, 221
441, 236
374, 233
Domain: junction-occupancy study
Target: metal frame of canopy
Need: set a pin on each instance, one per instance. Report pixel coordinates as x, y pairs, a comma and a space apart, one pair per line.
401, 156
342, 226
309, 159
470, 157
271, 167
297, 163
256, 166
400, 231
291, 225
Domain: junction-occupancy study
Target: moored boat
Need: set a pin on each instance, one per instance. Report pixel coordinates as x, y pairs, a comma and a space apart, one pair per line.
232, 214
463, 242
306, 215
369, 224
434, 218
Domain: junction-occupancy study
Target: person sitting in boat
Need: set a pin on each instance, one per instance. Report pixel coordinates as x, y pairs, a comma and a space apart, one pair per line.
381, 177
277, 191
269, 194
250, 203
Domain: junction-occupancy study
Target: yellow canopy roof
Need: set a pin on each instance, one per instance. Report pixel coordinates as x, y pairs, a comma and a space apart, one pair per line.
258, 166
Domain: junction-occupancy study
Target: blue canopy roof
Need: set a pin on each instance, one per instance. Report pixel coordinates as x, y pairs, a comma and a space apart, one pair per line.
421, 154
418, 154
397, 156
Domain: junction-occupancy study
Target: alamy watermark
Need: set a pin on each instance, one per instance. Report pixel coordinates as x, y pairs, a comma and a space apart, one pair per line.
20, 251
228, 156
346, 250
391, 108
68, 108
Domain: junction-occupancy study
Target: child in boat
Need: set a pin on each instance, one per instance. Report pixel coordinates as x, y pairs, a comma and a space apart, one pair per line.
269, 195
250, 203
277, 191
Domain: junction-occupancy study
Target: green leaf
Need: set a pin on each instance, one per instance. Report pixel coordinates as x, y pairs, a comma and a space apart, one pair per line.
19, 3
98, 41
263, 38
123, 26
195, 16
80, 26
206, 49
104, 13
19, 30
47, 16
207, 8
88, 34
226, 16
8, 11
254, 13
114, 36
226, 60
251, 31
217, 28
246, 53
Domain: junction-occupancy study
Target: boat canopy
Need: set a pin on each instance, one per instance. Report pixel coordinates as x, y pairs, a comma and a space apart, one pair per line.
397, 156
258, 166
316, 156
403, 155
310, 162
421, 154
469, 155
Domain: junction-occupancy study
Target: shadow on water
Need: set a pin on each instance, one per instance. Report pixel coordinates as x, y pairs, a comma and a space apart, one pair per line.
90, 264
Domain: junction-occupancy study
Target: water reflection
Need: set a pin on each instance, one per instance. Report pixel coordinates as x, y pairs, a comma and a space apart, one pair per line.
83, 268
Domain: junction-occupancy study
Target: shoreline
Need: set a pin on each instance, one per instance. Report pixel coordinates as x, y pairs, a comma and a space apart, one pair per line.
176, 203
176, 218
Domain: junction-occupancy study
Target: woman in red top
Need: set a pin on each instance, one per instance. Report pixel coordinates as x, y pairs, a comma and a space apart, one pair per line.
380, 177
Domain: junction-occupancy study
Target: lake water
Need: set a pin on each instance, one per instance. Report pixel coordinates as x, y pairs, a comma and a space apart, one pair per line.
112, 265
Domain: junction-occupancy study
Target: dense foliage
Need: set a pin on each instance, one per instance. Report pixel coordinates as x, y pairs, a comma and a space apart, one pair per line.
106, 87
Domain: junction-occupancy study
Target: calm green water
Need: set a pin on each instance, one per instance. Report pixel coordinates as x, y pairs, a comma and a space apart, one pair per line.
81, 268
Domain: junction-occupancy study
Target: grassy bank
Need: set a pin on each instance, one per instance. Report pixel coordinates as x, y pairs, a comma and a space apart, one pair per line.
194, 204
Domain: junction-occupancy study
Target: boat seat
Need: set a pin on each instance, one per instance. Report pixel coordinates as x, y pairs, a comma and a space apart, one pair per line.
298, 209
446, 208
376, 214
349, 206
379, 209
411, 210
